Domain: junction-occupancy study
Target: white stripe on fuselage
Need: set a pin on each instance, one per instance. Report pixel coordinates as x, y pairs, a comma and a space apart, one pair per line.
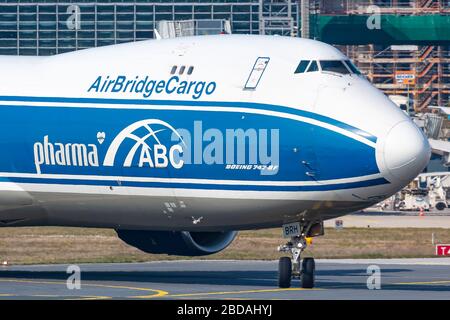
182, 193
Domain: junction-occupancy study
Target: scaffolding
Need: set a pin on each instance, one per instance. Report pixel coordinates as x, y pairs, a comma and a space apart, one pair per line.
430, 64
402, 7
275, 17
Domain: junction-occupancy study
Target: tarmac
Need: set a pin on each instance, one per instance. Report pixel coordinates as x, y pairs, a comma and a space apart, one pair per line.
417, 279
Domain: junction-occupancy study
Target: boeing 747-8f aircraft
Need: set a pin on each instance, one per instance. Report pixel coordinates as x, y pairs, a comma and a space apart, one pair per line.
178, 144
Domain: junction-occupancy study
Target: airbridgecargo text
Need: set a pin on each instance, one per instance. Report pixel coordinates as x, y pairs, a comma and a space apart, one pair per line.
147, 87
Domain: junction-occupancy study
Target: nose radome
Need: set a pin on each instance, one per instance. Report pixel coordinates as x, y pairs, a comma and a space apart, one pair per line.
406, 151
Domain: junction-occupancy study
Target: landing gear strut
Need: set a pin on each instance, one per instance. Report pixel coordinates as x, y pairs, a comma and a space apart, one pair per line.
294, 268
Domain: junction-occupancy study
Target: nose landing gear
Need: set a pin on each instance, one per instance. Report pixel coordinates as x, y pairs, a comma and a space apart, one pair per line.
294, 268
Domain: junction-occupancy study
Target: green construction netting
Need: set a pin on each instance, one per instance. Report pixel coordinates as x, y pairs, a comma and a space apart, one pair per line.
395, 29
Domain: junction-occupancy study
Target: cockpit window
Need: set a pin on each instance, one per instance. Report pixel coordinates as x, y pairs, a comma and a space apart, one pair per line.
313, 67
335, 66
352, 67
302, 66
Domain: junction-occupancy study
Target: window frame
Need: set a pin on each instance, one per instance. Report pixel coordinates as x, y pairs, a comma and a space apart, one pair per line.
349, 71
305, 69
350, 65
319, 67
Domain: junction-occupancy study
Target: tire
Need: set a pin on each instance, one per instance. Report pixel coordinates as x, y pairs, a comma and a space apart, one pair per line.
308, 273
284, 272
440, 206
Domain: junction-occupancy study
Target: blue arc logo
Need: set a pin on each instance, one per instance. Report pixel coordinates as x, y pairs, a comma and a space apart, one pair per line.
159, 151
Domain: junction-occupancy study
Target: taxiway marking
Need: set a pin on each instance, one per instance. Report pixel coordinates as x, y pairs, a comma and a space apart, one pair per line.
423, 282
158, 293
239, 292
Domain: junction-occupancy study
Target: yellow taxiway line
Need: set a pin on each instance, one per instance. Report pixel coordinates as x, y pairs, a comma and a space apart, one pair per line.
423, 283
157, 293
218, 293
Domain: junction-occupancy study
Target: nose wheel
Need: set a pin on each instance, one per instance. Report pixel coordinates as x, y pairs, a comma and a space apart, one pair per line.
284, 272
295, 268
307, 276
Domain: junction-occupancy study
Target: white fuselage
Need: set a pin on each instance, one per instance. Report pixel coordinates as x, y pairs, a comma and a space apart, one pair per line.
327, 143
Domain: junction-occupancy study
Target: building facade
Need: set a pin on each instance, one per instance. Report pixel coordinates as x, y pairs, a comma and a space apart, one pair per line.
47, 28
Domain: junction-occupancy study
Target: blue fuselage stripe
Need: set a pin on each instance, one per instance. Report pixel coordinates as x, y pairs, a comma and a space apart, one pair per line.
181, 103
169, 185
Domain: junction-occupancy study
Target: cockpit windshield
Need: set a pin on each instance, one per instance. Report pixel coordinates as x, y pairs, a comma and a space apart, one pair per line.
302, 66
352, 67
335, 66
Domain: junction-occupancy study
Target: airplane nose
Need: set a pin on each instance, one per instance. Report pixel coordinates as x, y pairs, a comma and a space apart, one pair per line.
406, 151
